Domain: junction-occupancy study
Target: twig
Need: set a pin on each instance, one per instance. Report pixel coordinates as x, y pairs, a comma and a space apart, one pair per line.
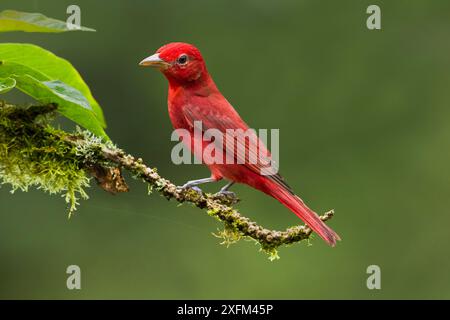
236, 225
104, 161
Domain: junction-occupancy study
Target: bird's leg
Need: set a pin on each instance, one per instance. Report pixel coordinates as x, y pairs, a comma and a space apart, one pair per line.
225, 190
192, 184
230, 195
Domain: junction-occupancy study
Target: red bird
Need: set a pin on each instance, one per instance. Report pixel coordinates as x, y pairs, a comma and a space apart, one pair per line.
193, 96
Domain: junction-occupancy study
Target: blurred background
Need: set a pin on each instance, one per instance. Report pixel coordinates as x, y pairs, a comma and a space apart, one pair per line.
364, 123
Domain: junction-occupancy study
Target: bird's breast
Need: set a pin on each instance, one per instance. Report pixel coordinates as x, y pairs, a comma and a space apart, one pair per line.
176, 103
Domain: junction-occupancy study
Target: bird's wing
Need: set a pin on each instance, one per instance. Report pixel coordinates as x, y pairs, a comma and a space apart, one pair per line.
222, 116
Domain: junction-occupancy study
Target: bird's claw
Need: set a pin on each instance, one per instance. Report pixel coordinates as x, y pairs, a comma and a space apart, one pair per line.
227, 193
229, 196
195, 188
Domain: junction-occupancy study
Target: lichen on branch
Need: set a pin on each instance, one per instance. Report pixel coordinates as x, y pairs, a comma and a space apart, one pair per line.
33, 153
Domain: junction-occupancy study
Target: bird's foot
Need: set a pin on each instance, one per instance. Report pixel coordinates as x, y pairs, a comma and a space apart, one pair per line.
187, 186
227, 196
227, 193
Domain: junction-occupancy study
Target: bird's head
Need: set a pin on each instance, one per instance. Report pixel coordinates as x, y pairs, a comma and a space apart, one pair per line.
180, 62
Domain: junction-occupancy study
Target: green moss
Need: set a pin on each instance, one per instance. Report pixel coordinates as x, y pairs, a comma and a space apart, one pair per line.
228, 235
33, 154
272, 252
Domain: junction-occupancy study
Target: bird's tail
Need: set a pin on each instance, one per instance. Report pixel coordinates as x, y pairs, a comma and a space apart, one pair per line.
296, 205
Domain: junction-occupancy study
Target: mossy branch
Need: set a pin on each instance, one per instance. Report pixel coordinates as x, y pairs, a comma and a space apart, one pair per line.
34, 153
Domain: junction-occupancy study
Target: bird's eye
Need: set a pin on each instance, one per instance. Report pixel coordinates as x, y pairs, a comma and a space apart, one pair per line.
182, 59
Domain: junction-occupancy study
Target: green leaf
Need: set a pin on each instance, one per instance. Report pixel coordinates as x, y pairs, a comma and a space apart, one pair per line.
44, 66
68, 93
8, 69
11, 20
7, 84
70, 101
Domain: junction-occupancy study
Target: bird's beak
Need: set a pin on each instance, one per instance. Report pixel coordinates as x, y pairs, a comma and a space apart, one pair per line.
154, 61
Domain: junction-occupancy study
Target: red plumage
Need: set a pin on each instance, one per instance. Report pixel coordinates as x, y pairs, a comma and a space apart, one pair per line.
193, 96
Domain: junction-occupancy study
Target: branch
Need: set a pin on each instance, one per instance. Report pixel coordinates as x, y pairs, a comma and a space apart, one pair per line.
104, 161
237, 226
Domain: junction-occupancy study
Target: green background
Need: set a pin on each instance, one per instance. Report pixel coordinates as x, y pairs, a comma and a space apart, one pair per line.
364, 123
